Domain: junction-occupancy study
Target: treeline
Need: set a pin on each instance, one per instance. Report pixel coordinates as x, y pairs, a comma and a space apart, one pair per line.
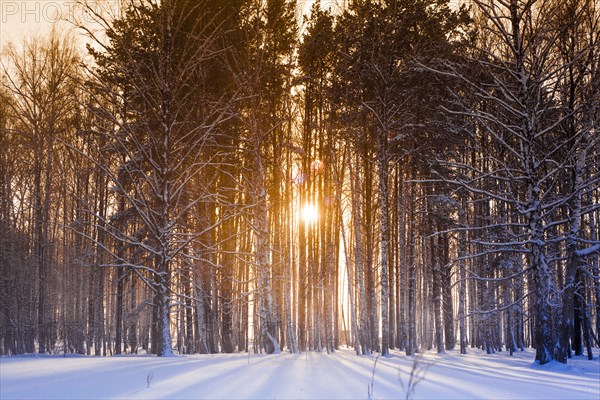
220, 176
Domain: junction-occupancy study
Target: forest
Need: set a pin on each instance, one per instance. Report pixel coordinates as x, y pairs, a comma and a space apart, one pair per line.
269, 176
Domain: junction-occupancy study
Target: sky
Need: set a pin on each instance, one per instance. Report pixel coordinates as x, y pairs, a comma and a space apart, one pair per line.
20, 19
23, 19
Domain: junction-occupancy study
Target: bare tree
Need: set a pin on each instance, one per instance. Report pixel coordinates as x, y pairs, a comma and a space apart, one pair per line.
40, 79
162, 138
518, 112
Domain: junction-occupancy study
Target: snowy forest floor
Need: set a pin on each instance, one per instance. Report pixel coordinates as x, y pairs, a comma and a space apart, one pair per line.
310, 375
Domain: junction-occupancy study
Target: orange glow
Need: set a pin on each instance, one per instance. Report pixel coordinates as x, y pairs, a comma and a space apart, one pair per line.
309, 213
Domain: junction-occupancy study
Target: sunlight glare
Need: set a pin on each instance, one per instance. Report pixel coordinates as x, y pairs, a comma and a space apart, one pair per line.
309, 213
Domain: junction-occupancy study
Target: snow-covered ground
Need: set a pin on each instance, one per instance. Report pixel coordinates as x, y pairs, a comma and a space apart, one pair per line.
342, 375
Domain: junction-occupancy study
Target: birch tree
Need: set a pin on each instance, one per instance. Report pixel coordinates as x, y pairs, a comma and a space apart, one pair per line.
153, 64
260, 72
579, 26
518, 113
41, 80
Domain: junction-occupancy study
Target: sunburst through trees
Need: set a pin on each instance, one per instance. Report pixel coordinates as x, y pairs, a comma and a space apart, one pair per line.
230, 176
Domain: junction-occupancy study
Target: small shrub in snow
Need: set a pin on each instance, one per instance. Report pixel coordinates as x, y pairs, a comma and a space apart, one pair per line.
417, 374
149, 379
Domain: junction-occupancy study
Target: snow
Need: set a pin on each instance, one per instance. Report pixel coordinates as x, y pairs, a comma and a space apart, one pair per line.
341, 375
589, 250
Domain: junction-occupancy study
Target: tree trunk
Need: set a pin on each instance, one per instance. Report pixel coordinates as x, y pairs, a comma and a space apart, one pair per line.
462, 294
411, 346
383, 192
447, 301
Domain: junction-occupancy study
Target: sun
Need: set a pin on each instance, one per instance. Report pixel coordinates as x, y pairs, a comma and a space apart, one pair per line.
309, 213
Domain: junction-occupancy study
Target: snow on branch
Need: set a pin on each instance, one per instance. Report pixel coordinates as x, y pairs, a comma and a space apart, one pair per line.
588, 251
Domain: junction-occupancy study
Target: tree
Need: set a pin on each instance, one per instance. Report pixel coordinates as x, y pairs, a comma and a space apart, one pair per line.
41, 82
578, 25
153, 65
221, 172
518, 112
376, 86
261, 72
